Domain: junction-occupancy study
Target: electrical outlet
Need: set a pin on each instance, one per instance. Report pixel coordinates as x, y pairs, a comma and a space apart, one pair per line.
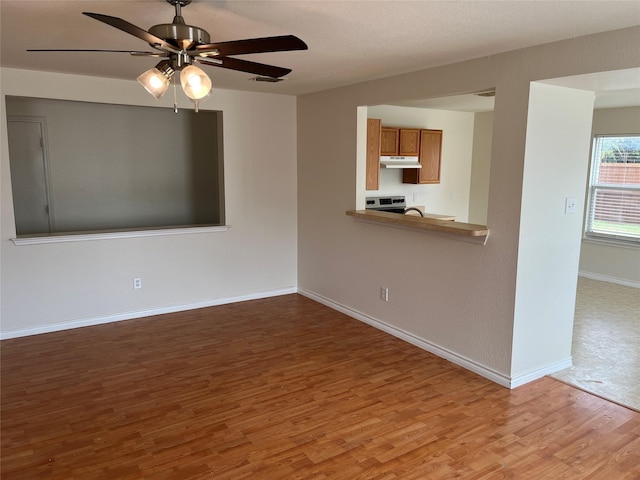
415, 197
569, 206
384, 294
137, 283
452, 195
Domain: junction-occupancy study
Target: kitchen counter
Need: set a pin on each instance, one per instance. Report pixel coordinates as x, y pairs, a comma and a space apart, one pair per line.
434, 216
467, 231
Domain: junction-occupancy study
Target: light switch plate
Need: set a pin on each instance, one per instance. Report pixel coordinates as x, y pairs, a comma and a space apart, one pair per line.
570, 205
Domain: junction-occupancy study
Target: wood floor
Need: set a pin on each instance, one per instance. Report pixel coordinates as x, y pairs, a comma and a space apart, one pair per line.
285, 388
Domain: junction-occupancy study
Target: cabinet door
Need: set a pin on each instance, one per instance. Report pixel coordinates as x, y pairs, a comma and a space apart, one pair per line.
430, 151
373, 154
410, 141
389, 141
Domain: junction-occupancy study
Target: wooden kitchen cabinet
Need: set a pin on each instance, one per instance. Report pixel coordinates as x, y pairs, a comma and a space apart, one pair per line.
373, 153
392, 141
396, 141
389, 141
409, 142
430, 154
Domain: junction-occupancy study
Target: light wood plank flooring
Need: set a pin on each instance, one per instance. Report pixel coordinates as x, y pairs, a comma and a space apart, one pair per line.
285, 388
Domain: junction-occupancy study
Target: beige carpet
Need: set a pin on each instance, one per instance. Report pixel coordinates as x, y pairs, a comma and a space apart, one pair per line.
606, 342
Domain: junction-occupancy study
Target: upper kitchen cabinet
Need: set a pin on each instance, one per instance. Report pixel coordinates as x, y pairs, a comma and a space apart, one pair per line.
409, 142
373, 153
389, 141
396, 141
430, 151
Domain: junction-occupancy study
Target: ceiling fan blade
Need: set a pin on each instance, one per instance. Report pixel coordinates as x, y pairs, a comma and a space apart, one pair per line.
131, 29
137, 53
249, 67
283, 43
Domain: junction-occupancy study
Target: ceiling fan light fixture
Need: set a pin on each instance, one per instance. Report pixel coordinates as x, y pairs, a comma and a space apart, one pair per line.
195, 83
181, 45
156, 80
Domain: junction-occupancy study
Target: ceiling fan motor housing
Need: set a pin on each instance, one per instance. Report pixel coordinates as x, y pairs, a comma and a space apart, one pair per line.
181, 35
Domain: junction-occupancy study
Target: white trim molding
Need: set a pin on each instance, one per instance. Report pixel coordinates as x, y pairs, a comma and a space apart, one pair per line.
87, 322
540, 372
83, 237
605, 278
453, 357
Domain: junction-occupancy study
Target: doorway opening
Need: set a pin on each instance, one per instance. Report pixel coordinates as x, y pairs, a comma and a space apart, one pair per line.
30, 174
606, 327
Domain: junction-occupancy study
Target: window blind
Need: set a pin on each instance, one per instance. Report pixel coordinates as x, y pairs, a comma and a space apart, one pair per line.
614, 189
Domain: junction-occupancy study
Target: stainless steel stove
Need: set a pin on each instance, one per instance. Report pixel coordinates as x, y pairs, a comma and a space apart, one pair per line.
392, 204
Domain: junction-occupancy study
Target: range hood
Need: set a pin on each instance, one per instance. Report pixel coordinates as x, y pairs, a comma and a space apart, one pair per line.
400, 162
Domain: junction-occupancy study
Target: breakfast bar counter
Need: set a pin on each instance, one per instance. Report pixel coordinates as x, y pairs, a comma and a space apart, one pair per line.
469, 231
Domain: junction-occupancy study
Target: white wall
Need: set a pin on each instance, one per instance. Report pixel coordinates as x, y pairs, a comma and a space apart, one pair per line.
50, 286
555, 167
451, 195
618, 264
452, 297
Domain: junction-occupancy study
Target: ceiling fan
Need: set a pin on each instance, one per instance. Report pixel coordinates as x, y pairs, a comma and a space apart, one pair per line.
182, 45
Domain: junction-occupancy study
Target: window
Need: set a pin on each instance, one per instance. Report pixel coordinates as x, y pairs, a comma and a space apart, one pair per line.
613, 211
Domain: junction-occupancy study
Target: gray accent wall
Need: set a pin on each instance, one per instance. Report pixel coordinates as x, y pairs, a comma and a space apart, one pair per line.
115, 167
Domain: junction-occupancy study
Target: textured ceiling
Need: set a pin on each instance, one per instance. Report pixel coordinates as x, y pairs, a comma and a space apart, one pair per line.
349, 41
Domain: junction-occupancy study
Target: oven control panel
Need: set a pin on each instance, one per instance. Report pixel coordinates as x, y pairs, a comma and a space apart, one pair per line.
395, 203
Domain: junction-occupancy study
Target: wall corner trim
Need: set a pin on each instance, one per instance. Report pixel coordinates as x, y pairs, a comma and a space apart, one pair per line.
540, 372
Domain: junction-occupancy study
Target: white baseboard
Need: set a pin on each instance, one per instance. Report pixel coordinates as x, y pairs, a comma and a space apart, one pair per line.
534, 374
87, 322
606, 278
453, 357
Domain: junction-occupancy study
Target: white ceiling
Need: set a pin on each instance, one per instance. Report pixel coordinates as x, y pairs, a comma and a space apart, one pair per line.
349, 41
619, 88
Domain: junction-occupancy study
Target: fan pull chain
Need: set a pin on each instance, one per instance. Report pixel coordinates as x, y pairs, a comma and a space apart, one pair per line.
175, 97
